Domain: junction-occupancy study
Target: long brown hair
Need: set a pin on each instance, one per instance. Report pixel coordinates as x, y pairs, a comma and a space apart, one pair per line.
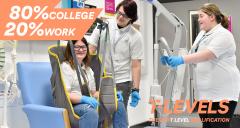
68, 55
212, 9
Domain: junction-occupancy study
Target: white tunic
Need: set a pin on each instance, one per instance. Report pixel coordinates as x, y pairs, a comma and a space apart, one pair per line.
71, 80
217, 79
126, 44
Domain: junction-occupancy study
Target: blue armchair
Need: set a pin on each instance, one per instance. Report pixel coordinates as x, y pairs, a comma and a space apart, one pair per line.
35, 86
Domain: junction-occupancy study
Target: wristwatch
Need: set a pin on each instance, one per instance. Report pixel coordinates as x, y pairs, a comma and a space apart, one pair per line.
134, 89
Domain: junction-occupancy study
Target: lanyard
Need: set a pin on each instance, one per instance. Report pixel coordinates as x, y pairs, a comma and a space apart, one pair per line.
198, 43
115, 42
205, 35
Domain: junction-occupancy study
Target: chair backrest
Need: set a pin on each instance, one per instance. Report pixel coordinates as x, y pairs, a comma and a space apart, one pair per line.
34, 82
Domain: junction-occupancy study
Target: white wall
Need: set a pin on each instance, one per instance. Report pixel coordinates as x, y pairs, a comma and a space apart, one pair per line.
33, 50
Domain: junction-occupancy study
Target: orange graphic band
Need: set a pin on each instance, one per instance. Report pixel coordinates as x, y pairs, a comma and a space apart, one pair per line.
40, 20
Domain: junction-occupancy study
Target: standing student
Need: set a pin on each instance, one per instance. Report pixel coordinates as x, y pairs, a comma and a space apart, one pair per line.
213, 54
127, 50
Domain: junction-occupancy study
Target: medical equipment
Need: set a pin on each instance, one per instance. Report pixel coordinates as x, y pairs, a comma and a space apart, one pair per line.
107, 87
59, 93
174, 77
8, 76
164, 44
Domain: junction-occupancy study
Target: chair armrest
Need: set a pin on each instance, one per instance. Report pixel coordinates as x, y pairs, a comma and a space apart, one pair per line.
40, 116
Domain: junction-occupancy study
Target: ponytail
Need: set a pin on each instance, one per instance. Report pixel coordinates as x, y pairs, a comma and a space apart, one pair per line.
212, 9
224, 21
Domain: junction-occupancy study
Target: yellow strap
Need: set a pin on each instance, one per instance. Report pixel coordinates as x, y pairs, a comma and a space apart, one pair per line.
61, 75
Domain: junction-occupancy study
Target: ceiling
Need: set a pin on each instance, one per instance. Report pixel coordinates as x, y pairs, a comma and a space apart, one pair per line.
167, 1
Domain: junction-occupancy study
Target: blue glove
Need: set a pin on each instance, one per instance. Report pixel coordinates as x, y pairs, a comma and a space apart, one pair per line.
135, 98
174, 61
164, 60
119, 96
89, 100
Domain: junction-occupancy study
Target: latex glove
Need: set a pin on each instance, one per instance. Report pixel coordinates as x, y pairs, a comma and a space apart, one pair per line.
119, 96
164, 60
89, 100
135, 98
174, 61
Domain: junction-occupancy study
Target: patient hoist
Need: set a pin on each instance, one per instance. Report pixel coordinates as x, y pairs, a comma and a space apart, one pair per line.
105, 83
177, 79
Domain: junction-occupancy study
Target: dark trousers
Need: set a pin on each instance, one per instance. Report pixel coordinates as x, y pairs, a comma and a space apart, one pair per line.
218, 124
125, 87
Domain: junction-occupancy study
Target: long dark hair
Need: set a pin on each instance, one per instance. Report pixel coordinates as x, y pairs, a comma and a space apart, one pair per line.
212, 9
68, 55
